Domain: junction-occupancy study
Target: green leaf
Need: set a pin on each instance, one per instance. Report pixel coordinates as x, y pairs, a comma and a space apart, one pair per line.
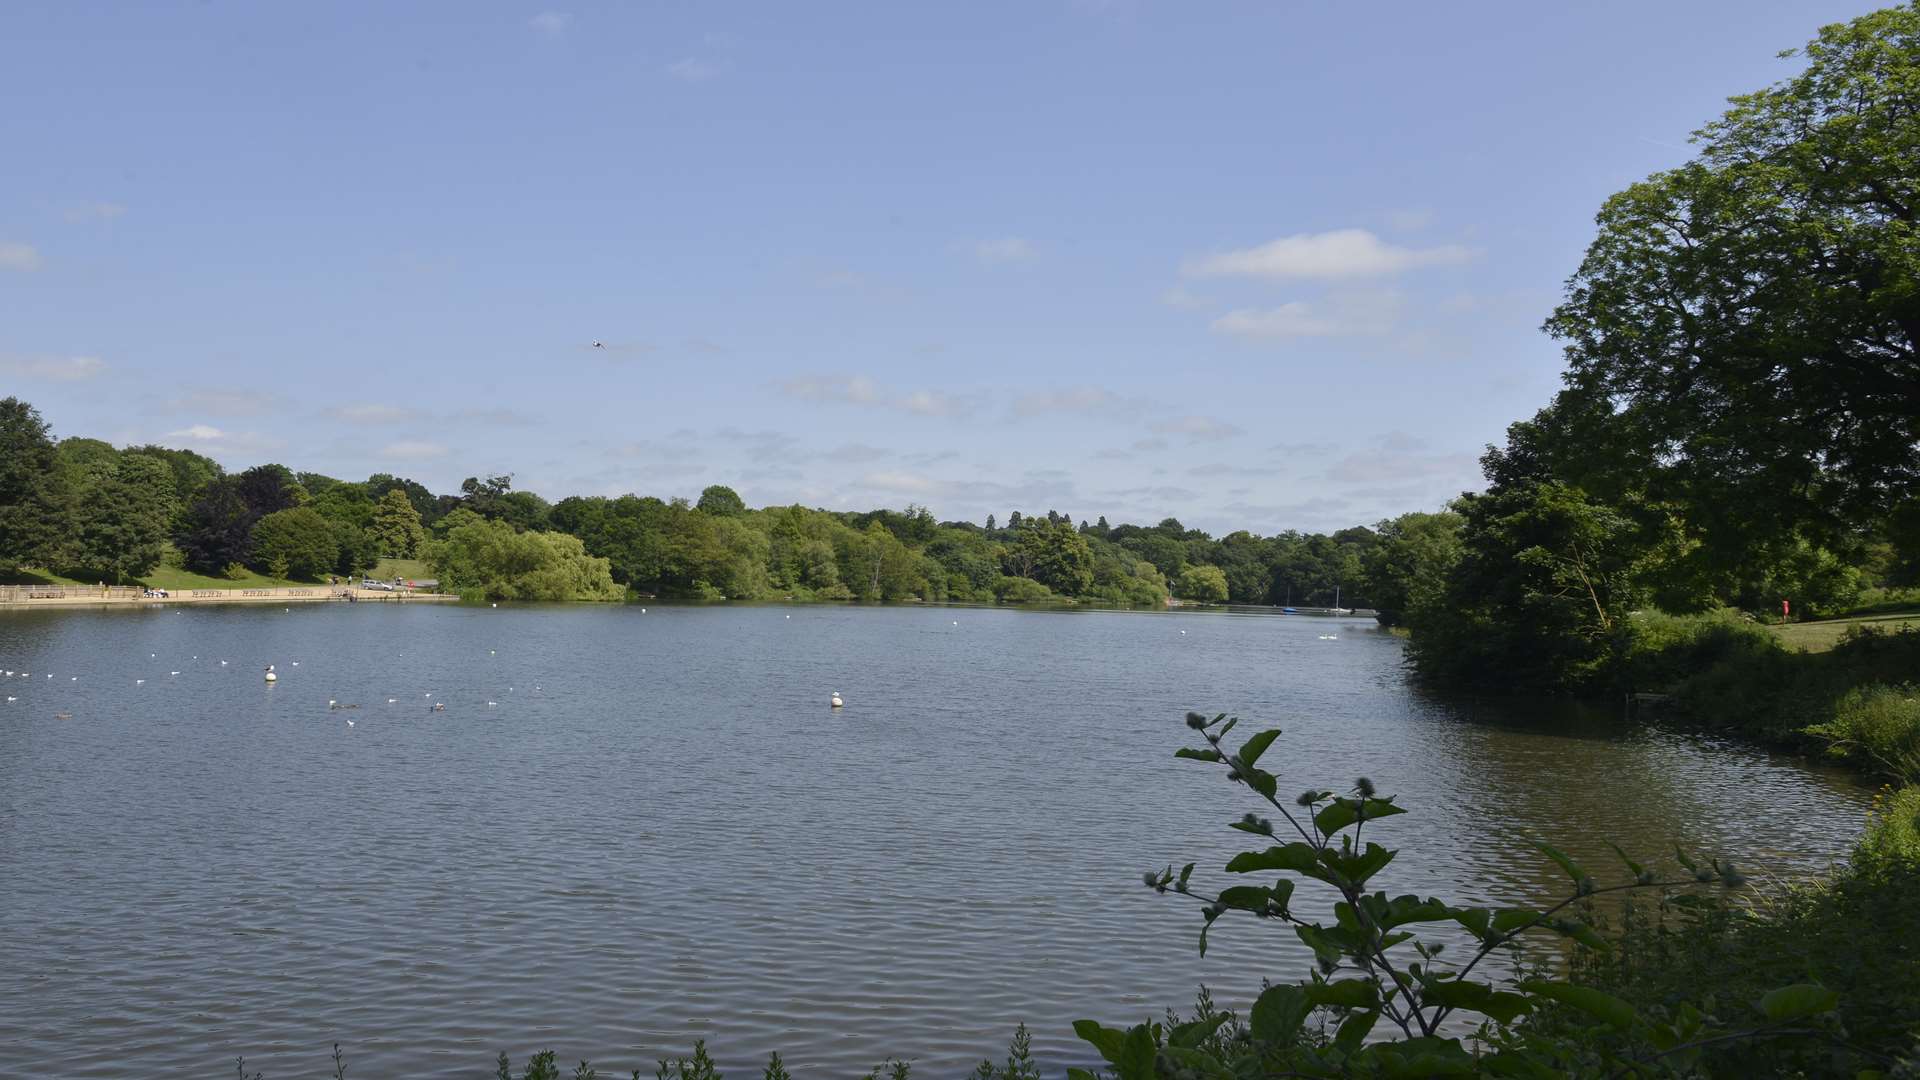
1278, 1013
1262, 782
1342, 812
1602, 1006
1137, 1055
1477, 997
1282, 893
1797, 1001
1104, 1039
1478, 920
1194, 1032
1197, 1063
1566, 863
1632, 867
1246, 897
1345, 994
1358, 868
1507, 920
1080, 1074
1296, 856
1410, 909
1197, 755
1250, 753
1329, 944
1354, 1030
1185, 873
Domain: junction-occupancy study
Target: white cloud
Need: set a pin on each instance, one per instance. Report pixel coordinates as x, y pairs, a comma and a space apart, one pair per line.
1073, 399
1344, 313
1342, 253
224, 402
198, 433
1295, 319
94, 211
1004, 249
692, 69
52, 368
494, 417
849, 389
860, 390
373, 413
411, 450
1197, 428
551, 23
17, 256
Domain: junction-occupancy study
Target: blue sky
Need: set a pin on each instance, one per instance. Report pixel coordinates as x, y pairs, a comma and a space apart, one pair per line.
1256, 265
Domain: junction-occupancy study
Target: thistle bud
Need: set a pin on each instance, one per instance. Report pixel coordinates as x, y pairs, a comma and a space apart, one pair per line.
1365, 787
1196, 721
1307, 798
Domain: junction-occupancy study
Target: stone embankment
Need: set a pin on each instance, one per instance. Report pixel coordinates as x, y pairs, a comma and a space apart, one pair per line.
39, 596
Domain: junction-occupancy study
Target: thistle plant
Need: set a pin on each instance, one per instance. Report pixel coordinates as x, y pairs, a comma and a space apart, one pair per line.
1396, 1005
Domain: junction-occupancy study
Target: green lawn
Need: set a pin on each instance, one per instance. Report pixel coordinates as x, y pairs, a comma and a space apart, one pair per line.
1824, 635
409, 569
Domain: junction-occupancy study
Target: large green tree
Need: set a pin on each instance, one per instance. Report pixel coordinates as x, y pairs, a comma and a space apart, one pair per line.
1749, 323
1052, 553
30, 496
120, 522
395, 525
297, 543
492, 560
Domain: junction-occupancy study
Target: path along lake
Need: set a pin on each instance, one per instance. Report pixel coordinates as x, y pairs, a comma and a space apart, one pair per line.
627, 831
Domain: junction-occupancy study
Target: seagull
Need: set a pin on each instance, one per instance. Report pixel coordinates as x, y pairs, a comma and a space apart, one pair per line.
74, 678
1183, 631
173, 673
138, 682
599, 344
391, 700
491, 704
349, 723
223, 663
438, 706
12, 698
296, 663
63, 716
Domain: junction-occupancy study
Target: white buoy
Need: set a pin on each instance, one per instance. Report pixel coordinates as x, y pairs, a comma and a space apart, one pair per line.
271, 677
835, 700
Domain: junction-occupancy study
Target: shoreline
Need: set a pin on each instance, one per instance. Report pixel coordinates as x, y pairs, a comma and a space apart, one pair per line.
25, 597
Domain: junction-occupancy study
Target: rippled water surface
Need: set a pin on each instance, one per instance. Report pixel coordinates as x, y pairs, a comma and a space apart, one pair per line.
631, 830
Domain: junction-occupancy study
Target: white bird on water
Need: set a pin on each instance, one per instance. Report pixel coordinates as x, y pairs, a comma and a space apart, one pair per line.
349, 723
392, 700
139, 682
173, 673
223, 663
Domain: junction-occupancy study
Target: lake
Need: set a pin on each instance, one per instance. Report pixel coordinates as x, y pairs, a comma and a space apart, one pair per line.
632, 829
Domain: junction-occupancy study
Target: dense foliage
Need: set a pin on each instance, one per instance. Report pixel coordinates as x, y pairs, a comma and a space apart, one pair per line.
1740, 422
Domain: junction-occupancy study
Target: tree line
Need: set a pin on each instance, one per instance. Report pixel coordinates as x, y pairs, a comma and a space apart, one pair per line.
82, 508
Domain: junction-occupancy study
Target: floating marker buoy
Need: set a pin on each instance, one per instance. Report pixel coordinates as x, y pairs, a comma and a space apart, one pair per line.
835, 700
271, 677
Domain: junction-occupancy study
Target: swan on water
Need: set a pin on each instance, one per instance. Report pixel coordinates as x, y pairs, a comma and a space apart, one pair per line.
835, 700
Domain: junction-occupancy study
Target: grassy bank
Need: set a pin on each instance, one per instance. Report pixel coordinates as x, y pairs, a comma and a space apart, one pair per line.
1824, 634
172, 578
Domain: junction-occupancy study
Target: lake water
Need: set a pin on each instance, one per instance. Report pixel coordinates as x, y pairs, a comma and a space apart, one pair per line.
630, 830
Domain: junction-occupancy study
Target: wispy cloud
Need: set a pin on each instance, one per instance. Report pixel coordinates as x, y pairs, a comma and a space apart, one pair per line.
1362, 312
692, 69
52, 368
413, 450
1342, 253
846, 389
863, 391
94, 211
1075, 399
18, 256
1198, 428
372, 413
1290, 320
551, 23
1397, 456
198, 433
1004, 249
497, 417
224, 402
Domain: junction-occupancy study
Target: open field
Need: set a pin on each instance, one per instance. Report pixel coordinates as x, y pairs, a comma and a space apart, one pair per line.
1824, 635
